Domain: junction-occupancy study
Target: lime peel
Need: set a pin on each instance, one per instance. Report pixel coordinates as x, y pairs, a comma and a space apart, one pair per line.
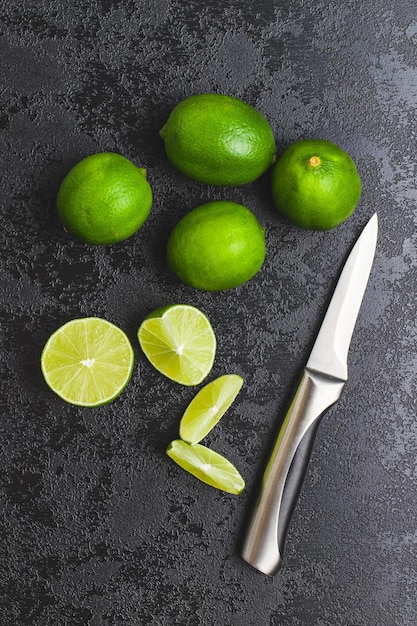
315, 184
104, 199
216, 246
218, 140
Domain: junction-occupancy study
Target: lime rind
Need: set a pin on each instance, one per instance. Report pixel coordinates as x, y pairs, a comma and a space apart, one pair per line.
315, 184
217, 246
208, 466
87, 361
104, 199
208, 407
218, 140
179, 341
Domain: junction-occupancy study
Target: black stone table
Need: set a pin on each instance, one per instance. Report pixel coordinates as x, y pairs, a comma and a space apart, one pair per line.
98, 526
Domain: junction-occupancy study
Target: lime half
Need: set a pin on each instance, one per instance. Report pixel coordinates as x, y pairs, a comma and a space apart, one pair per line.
208, 407
208, 466
87, 361
179, 342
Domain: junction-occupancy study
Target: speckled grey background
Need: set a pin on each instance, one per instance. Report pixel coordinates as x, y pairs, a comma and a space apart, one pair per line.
98, 526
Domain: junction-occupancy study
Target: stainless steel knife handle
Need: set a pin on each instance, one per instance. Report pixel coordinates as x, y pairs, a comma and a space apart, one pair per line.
283, 478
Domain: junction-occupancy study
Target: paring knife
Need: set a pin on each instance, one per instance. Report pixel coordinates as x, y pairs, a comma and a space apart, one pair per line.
321, 385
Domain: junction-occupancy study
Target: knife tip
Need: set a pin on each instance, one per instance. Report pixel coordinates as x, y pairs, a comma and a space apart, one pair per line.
373, 223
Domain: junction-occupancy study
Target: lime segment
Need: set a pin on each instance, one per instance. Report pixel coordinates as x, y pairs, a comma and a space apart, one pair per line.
208, 466
179, 342
87, 361
208, 407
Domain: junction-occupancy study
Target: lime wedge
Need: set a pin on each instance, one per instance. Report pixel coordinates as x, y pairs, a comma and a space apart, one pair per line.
208, 406
208, 466
179, 342
87, 361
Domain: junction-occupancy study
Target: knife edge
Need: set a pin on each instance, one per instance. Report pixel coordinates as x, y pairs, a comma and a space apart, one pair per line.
330, 350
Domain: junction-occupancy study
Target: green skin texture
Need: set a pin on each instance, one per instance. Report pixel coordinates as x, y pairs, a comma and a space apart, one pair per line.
316, 198
104, 199
218, 140
216, 246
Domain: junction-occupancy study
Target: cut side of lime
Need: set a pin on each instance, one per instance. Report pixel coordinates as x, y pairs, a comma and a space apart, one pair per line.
208, 407
179, 342
208, 466
87, 361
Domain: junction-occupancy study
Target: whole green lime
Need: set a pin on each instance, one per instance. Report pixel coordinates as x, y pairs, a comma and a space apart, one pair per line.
218, 140
216, 246
104, 198
315, 184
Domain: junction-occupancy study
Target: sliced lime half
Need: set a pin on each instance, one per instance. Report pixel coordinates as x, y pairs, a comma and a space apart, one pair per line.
87, 361
180, 343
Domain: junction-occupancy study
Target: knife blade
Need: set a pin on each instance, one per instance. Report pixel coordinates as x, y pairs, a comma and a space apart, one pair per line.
321, 385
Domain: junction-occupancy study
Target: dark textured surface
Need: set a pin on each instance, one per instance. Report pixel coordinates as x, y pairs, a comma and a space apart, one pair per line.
97, 525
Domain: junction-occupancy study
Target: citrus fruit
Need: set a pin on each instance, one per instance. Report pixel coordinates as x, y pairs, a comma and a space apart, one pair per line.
104, 198
315, 184
208, 466
208, 407
180, 343
216, 246
218, 140
87, 361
